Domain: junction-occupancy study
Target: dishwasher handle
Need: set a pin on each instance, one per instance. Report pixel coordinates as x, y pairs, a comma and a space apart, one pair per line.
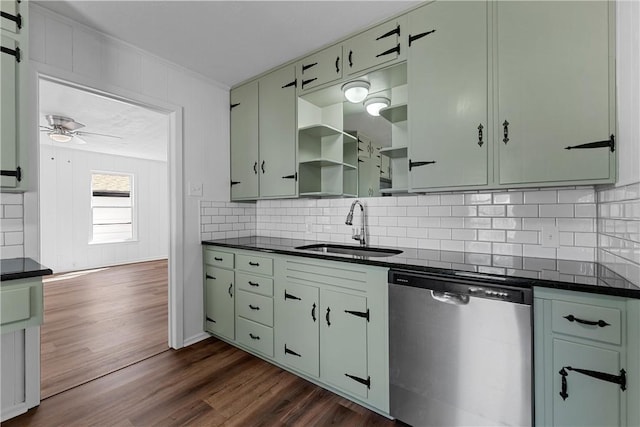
450, 298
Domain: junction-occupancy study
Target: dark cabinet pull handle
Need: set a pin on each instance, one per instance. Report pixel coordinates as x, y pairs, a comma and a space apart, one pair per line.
363, 314
621, 379
327, 317
210, 277
15, 18
16, 173
254, 264
211, 320
419, 36
306, 82
366, 382
413, 164
254, 337
390, 51
306, 67
313, 312
611, 143
255, 168
505, 126
480, 127
217, 258
253, 284
235, 183
291, 352
234, 106
289, 296
350, 58
254, 307
14, 52
293, 83
337, 64
601, 323
230, 286
390, 33
262, 166
292, 176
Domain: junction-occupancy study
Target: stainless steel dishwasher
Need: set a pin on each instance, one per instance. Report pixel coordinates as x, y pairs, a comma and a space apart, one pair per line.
460, 351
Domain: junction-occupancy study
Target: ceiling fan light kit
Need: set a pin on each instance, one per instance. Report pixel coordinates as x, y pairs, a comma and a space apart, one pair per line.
63, 129
59, 136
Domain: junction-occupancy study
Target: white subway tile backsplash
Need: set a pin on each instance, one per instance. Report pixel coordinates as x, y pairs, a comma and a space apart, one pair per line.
508, 198
464, 210
522, 211
13, 211
440, 211
507, 223
538, 197
586, 195
492, 235
491, 210
556, 211
529, 237
477, 199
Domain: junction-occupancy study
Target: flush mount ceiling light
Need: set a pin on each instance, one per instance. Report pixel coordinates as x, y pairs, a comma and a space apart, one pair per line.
356, 91
374, 105
58, 135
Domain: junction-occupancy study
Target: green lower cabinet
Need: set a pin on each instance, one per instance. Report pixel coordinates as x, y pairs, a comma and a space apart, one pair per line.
219, 302
297, 314
343, 341
586, 359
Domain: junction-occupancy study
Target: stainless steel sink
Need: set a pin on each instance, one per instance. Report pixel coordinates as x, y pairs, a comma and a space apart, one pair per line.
366, 251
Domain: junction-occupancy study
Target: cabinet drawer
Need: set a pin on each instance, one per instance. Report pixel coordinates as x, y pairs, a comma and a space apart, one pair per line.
218, 258
568, 318
255, 264
15, 305
255, 336
257, 284
255, 307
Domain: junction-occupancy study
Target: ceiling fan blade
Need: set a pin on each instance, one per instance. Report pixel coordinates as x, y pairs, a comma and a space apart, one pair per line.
45, 129
94, 133
62, 121
77, 140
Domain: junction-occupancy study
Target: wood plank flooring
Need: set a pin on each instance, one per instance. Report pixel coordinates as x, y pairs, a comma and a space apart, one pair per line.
98, 321
207, 384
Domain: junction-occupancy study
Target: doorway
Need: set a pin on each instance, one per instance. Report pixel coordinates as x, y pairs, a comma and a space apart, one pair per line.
104, 230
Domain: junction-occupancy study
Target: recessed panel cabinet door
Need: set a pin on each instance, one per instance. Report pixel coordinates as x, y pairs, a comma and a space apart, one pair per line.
8, 109
297, 316
11, 15
320, 68
589, 401
447, 74
277, 118
372, 47
244, 142
220, 302
553, 91
343, 341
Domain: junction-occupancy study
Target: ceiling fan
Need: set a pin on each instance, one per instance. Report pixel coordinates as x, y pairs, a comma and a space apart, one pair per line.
63, 129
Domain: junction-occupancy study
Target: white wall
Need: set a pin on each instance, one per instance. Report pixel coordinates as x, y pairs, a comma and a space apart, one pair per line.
65, 209
67, 50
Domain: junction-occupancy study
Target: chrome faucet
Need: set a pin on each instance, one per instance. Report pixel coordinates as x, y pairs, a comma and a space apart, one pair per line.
349, 221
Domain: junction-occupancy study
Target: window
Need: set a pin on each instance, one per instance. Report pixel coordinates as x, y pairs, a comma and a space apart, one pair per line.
111, 207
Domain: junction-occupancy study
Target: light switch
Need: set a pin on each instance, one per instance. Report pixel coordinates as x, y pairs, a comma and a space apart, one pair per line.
550, 236
195, 189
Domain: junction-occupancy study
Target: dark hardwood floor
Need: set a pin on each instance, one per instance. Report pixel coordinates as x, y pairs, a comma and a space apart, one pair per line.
98, 321
207, 384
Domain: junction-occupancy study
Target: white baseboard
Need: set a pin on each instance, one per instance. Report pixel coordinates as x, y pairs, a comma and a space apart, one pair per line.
196, 338
13, 411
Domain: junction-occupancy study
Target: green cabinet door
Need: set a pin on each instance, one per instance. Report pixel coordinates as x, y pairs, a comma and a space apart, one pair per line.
589, 401
553, 91
373, 47
219, 302
447, 76
320, 68
277, 130
297, 316
343, 341
10, 11
244, 142
8, 111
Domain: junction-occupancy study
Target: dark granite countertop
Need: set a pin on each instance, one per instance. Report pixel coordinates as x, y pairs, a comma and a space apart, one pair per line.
21, 268
582, 276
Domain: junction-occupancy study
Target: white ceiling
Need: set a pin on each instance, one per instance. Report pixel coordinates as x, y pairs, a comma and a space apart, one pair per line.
228, 41
144, 132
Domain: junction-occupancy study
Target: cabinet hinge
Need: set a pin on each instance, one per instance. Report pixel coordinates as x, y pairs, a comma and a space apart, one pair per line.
14, 52
291, 352
419, 36
611, 143
602, 376
305, 67
306, 82
292, 176
289, 296
15, 18
395, 31
234, 183
234, 106
366, 382
211, 320
416, 164
390, 51
364, 315
292, 84
16, 173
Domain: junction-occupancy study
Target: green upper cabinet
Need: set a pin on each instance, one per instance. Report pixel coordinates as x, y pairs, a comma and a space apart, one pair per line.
320, 68
263, 137
244, 142
13, 108
447, 79
377, 46
277, 133
554, 76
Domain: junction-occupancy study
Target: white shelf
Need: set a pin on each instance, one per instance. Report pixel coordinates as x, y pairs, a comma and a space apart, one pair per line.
395, 113
349, 166
320, 130
393, 190
320, 162
320, 194
394, 152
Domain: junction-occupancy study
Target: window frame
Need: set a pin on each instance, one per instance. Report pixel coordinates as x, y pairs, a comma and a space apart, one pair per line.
134, 208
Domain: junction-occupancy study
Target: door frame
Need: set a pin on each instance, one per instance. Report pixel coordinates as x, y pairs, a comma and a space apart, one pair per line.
175, 178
